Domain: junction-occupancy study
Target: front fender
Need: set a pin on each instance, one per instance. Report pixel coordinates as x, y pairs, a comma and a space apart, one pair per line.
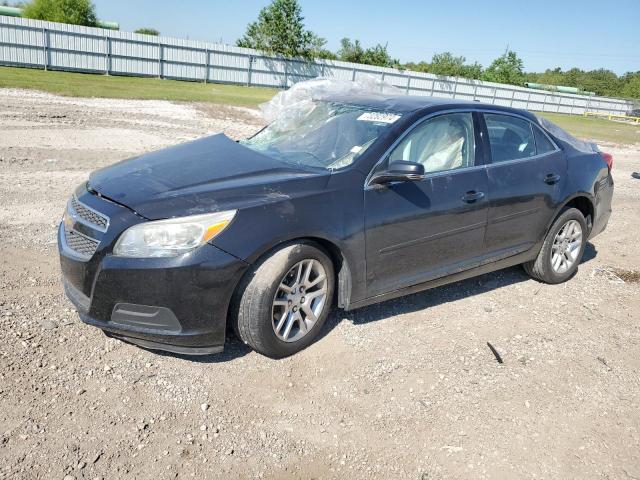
332, 216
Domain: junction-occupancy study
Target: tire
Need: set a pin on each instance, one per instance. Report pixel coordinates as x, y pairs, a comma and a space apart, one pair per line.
543, 268
261, 302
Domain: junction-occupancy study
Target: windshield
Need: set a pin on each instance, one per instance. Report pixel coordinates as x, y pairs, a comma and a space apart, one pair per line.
328, 135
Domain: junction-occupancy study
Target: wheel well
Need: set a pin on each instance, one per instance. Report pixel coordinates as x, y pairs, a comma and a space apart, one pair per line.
341, 266
585, 206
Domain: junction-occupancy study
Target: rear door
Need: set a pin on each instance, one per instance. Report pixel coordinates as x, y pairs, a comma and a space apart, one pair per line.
420, 230
525, 176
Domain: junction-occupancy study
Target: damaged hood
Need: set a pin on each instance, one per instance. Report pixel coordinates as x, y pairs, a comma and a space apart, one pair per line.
210, 174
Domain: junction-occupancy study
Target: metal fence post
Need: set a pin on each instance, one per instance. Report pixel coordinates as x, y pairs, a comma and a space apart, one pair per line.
160, 59
455, 87
353, 75
408, 83
433, 86
107, 58
286, 74
528, 98
475, 92
249, 70
206, 65
495, 93
45, 47
513, 95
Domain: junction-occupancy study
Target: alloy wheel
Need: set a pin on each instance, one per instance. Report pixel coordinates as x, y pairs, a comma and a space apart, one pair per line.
566, 247
299, 300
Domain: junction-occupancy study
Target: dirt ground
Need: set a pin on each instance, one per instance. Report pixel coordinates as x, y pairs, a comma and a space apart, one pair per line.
404, 389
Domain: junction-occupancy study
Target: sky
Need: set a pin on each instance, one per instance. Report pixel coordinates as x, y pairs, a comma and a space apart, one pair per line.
587, 34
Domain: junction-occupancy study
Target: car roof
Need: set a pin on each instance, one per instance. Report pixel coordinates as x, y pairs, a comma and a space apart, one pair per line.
412, 103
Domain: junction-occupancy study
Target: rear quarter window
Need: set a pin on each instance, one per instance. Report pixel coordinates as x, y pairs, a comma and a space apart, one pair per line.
543, 144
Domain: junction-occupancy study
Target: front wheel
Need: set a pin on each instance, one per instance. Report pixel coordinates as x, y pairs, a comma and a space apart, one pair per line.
562, 249
282, 303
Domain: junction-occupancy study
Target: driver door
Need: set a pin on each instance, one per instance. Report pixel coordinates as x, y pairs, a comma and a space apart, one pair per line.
421, 230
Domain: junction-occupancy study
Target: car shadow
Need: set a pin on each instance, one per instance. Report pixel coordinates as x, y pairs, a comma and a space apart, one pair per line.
234, 348
439, 295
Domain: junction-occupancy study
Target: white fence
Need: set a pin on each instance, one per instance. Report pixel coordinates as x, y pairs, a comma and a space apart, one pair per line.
56, 46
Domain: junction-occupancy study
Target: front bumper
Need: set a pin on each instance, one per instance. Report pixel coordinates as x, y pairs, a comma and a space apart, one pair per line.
177, 304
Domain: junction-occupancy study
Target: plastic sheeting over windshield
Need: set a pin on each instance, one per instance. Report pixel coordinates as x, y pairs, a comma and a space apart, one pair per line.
331, 135
307, 128
289, 108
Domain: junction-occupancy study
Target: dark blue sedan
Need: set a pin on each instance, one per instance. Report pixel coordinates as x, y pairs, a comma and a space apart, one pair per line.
368, 198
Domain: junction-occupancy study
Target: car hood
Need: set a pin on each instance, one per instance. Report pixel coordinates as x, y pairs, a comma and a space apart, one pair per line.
210, 174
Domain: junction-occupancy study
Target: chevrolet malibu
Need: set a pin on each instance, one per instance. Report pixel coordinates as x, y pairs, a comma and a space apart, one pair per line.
366, 199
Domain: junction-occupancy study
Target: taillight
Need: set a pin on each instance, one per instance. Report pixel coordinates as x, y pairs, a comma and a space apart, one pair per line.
608, 158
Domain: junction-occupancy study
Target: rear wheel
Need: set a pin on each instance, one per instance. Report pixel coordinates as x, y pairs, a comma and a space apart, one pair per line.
562, 249
284, 300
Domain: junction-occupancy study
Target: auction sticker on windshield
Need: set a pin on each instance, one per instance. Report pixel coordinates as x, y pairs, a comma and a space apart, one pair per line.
381, 117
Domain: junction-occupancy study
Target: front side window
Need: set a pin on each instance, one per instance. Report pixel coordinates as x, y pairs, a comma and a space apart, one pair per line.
445, 142
326, 135
510, 137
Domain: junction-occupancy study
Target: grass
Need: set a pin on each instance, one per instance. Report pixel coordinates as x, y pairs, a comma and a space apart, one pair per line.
103, 86
598, 129
91, 85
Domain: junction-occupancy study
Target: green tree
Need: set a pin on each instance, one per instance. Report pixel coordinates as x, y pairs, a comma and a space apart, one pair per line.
631, 88
551, 77
448, 64
572, 77
421, 66
601, 81
505, 69
352, 51
473, 71
75, 12
325, 54
148, 31
280, 30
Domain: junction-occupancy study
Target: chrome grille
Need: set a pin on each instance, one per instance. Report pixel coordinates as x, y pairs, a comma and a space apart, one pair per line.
90, 216
80, 244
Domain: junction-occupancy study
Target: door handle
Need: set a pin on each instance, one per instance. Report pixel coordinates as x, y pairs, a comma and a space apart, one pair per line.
551, 179
472, 196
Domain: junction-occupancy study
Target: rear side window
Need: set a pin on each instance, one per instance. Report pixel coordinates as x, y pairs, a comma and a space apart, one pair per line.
511, 138
543, 144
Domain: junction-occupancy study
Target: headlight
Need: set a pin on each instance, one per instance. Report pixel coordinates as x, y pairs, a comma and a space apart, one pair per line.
171, 237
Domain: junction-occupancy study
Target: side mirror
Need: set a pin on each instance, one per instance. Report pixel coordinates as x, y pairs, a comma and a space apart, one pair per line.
399, 171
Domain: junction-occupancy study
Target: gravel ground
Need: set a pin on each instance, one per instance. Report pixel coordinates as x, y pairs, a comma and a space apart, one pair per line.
404, 389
